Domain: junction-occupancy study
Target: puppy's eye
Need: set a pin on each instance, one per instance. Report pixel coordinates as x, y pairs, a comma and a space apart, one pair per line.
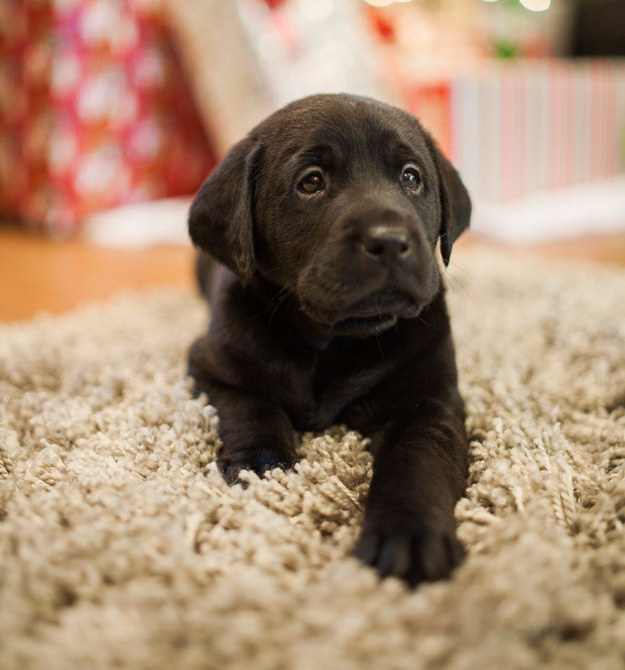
411, 178
311, 183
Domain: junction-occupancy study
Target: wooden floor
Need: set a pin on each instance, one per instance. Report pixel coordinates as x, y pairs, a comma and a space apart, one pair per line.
38, 274
41, 275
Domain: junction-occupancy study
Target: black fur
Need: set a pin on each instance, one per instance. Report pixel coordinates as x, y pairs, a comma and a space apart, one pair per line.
329, 308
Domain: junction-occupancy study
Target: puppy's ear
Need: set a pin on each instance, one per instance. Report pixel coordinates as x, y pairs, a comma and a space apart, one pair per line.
220, 218
455, 201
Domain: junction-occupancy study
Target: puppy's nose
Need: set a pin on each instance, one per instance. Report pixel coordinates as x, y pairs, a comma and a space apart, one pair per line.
387, 243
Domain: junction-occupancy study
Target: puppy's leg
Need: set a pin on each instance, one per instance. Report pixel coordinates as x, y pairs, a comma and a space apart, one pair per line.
256, 434
419, 473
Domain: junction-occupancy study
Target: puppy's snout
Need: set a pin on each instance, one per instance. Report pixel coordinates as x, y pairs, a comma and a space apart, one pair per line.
387, 243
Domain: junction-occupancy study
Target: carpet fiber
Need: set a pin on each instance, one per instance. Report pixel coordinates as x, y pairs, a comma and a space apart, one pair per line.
120, 546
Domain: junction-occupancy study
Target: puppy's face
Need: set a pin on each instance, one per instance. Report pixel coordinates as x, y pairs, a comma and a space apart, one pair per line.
340, 201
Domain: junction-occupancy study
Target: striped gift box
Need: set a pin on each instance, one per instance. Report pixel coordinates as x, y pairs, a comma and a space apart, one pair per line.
517, 128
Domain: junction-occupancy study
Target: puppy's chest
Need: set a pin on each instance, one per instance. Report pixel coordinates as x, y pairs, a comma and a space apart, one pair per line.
315, 390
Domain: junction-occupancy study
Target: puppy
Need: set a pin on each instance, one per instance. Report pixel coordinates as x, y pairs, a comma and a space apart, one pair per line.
318, 236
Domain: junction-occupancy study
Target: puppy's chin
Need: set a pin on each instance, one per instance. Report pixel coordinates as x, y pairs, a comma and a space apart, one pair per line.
368, 326
367, 318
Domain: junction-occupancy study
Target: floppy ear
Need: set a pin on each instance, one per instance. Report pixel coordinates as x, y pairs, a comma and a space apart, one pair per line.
455, 201
220, 218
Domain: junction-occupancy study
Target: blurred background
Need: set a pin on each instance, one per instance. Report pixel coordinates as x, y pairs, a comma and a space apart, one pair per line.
112, 113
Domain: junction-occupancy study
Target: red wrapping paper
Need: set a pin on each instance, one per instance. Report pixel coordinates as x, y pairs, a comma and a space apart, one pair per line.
94, 111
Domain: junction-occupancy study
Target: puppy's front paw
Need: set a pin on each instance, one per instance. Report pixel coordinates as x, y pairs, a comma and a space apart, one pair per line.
404, 546
259, 461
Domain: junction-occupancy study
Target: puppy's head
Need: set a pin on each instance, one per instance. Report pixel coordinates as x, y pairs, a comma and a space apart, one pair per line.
339, 200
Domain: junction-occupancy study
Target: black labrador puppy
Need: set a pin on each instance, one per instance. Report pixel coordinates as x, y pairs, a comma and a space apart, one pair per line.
318, 234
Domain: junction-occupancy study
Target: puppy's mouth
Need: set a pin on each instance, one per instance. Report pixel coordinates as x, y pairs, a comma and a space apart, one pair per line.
369, 316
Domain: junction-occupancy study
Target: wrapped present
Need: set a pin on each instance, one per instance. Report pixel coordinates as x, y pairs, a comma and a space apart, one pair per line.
94, 111
285, 49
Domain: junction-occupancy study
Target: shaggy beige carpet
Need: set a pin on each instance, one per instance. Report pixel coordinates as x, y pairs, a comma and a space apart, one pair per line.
122, 548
